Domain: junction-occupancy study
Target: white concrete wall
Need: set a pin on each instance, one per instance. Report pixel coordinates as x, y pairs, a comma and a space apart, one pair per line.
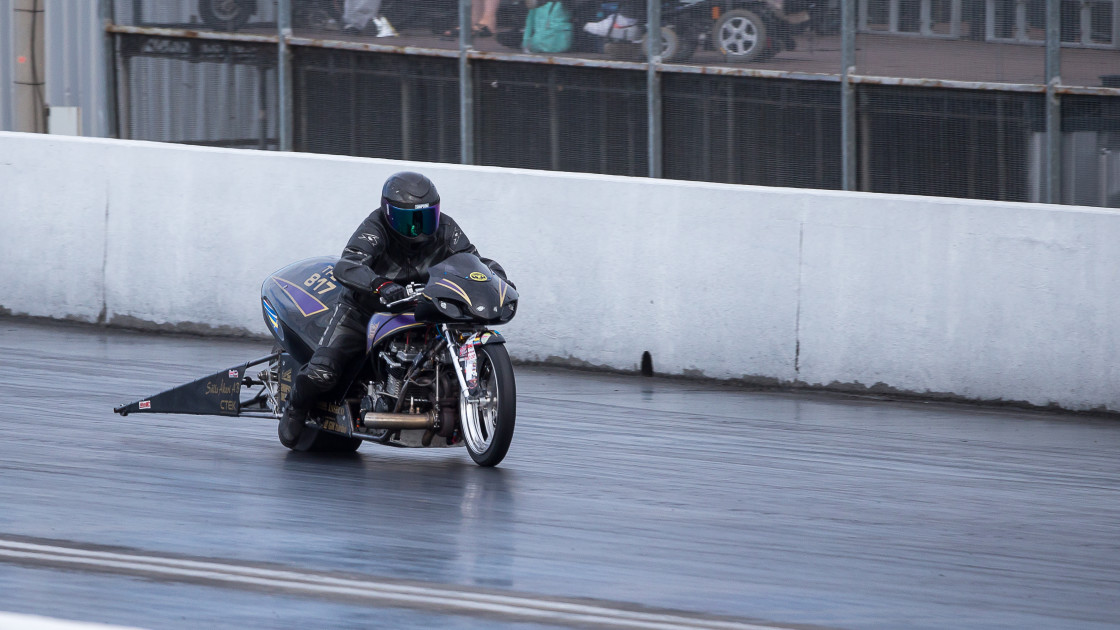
981, 300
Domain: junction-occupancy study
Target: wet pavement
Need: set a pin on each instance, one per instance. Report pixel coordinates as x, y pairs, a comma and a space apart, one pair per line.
774, 508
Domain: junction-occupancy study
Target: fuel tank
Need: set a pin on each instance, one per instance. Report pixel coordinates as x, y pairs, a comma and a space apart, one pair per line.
297, 302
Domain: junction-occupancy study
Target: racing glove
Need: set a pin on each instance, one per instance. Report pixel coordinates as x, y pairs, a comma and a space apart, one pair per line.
391, 292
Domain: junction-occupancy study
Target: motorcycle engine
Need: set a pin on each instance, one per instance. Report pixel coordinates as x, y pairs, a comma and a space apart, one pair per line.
420, 393
396, 360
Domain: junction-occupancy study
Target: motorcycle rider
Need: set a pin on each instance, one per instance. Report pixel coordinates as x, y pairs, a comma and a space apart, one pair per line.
395, 245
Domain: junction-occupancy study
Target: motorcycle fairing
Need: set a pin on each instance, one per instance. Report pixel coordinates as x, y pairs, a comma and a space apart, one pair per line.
381, 325
462, 288
297, 302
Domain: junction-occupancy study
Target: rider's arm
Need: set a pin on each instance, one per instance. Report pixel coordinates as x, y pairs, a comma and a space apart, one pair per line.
355, 268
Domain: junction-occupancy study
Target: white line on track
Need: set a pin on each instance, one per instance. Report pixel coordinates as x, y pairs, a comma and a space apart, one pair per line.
13, 621
443, 597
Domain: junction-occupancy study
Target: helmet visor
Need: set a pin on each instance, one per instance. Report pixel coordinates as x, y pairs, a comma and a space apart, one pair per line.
414, 222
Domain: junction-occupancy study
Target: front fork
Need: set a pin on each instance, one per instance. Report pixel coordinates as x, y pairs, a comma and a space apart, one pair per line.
453, 352
475, 394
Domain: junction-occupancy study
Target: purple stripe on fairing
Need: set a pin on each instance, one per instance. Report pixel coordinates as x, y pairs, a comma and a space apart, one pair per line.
308, 304
382, 324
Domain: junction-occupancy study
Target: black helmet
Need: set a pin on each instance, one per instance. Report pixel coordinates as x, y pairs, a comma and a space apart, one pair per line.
411, 205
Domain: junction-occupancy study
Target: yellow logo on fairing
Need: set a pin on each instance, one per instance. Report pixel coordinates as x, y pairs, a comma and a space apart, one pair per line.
478, 276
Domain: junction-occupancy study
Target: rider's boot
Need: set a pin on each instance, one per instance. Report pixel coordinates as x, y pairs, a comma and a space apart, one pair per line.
291, 424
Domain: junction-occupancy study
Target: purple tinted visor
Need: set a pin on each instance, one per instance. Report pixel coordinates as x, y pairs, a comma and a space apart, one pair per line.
413, 222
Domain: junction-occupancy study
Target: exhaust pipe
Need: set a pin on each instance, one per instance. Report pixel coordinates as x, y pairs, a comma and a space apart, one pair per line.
381, 420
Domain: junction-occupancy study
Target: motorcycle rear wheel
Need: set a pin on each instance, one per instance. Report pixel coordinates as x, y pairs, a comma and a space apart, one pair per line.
312, 439
315, 440
488, 423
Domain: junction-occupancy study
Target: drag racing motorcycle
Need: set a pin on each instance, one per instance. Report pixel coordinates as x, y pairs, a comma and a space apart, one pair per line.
434, 373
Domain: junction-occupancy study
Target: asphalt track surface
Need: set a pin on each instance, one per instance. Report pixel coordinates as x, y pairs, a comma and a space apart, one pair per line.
624, 502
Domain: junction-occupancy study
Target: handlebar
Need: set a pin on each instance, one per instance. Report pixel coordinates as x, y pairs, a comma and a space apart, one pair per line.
414, 289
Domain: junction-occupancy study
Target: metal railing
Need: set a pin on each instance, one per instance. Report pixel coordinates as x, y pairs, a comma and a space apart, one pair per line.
842, 61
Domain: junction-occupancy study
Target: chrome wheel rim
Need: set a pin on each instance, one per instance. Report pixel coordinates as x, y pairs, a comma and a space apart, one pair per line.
480, 416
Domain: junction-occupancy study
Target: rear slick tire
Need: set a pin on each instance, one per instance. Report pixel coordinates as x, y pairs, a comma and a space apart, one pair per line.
488, 426
315, 440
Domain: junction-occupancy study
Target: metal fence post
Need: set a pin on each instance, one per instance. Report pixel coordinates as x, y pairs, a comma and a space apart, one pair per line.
109, 41
653, 86
847, 95
466, 86
1103, 176
1053, 102
284, 74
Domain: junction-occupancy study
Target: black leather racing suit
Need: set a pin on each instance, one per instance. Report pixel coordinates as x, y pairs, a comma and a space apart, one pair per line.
374, 255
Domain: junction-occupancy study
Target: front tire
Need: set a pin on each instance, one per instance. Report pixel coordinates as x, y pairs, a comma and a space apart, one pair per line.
488, 424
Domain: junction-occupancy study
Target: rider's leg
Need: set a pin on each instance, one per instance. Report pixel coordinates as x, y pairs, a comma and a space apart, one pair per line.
343, 342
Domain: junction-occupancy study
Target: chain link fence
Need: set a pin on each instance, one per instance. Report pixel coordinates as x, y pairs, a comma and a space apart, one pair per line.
1013, 100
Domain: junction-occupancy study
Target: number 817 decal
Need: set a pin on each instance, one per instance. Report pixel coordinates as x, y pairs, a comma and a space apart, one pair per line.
321, 282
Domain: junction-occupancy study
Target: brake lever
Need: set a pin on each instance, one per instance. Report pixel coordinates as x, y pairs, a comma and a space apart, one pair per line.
415, 297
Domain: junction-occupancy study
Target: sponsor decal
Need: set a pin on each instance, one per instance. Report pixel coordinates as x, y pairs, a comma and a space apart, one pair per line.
321, 282
372, 239
480, 308
478, 276
469, 360
145, 404
221, 388
273, 318
307, 303
234, 374
331, 425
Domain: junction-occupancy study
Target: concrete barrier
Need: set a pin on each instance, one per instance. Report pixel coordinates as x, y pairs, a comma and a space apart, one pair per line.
940, 297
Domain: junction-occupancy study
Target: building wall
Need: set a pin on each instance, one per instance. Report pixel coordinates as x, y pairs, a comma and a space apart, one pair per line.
71, 49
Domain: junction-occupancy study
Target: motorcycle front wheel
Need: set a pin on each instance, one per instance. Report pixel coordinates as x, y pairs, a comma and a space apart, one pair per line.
487, 423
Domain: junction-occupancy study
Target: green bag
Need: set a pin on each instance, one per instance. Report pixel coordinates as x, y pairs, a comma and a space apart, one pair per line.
548, 29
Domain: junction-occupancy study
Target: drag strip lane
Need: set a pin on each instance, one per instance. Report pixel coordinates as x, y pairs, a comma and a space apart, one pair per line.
372, 590
623, 494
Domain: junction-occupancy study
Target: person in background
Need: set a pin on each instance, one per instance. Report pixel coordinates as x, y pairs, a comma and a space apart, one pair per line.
626, 24
357, 14
484, 16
